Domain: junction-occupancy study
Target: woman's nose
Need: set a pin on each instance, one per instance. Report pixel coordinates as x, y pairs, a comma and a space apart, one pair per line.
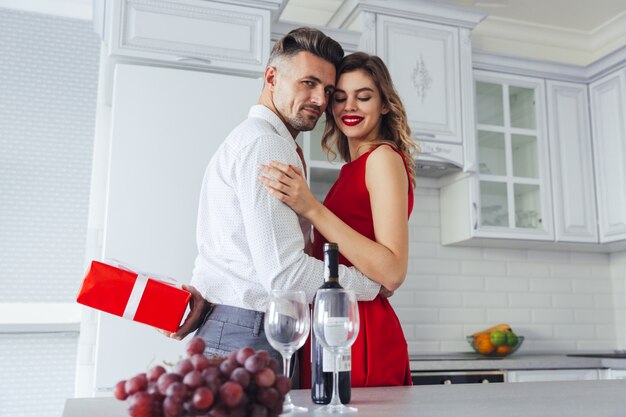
351, 105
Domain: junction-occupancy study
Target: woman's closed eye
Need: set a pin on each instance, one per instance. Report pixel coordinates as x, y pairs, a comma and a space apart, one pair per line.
342, 99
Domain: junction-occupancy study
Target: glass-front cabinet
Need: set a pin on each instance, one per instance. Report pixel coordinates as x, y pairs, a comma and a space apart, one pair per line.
509, 193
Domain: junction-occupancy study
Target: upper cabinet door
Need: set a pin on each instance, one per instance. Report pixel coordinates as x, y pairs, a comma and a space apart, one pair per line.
608, 110
514, 189
423, 59
190, 33
571, 163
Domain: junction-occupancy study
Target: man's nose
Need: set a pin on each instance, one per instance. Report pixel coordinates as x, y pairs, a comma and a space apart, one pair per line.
319, 97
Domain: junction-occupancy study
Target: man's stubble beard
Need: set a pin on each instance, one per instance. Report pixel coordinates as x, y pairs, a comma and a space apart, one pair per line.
302, 124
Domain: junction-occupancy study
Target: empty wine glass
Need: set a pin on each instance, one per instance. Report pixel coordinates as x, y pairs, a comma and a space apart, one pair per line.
287, 326
336, 325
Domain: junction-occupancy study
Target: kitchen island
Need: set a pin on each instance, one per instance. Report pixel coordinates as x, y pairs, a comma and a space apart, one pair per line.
538, 399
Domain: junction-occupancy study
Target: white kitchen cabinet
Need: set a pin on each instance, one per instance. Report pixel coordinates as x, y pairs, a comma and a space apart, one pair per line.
423, 59
509, 195
189, 33
615, 374
608, 113
166, 124
553, 375
571, 162
427, 49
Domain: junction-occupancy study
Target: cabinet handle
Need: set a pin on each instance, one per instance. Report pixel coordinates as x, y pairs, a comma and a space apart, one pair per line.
447, 382
485, 381
475, 215
193, 60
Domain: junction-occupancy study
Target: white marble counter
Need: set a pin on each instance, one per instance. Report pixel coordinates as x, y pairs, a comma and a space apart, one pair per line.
537, 399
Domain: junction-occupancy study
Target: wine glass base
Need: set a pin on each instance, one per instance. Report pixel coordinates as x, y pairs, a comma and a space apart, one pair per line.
289, 409
337, 409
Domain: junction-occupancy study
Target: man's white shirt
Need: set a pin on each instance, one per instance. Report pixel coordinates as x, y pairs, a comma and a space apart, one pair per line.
248, 241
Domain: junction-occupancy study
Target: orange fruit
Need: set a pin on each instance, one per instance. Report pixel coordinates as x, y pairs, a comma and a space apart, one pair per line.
503, 350
485, 346
478, 338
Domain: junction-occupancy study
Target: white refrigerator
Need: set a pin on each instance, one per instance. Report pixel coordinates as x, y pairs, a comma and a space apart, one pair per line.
166, 124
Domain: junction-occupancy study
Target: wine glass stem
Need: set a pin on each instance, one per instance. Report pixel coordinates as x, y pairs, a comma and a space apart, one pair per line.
286, 369
335, 399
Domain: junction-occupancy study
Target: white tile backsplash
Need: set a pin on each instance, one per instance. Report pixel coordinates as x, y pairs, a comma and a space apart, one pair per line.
508, 315
433, 265
592, 285
570, 271
485, 300
573, 300
461, 282
438, 299
462, 315
548, 256
559, 300
527, 269
483, 268
412, 315
553, 316
457, 253
551, 285
508, 284
530, 300
420, 282
585, 258
618, 279
574, 331
506, 255
596, 316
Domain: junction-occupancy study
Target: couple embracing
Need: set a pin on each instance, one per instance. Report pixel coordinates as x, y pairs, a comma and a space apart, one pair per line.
256, 210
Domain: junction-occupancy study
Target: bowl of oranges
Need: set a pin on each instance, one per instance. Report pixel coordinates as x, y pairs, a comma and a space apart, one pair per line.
496, 341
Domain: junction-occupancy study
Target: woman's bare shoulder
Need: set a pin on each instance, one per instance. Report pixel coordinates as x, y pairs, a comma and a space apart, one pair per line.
385, 155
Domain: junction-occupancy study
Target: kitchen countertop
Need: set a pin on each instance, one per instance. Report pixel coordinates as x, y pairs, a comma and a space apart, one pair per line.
472, 361
538, 399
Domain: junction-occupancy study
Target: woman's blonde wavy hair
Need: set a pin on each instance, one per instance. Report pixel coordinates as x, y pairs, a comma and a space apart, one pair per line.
394, 127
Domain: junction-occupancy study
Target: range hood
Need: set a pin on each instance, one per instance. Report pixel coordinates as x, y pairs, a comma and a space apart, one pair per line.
437, 160
435, 169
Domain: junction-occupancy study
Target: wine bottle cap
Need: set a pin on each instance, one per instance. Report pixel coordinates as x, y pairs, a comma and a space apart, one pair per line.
330, 246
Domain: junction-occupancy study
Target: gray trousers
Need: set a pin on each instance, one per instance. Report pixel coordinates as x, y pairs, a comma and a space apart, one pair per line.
226, 328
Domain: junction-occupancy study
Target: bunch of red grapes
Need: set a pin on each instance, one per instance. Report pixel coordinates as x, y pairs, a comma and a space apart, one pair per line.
240, 384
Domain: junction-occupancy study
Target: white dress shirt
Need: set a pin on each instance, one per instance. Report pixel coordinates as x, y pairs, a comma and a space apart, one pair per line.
248, 241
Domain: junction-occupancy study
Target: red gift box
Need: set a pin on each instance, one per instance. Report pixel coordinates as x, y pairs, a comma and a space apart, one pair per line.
134, 295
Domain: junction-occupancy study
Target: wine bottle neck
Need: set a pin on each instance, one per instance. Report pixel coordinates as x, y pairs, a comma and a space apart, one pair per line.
331, 267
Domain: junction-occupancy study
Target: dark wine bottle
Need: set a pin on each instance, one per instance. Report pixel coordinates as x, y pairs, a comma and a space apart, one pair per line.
322, 362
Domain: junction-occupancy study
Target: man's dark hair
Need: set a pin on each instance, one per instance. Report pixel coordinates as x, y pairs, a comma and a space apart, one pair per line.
307, 40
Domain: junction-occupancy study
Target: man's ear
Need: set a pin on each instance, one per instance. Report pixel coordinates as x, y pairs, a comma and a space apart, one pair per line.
270, 76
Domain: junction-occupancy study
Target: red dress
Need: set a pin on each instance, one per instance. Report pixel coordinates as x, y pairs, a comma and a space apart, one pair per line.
379, 354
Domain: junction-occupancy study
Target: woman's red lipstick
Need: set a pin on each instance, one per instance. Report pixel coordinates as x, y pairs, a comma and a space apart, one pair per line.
351, 120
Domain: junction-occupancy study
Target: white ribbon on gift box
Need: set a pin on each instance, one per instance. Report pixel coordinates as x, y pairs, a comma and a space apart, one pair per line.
140, 285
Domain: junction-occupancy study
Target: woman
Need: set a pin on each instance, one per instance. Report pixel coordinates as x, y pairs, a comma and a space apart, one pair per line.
366, 211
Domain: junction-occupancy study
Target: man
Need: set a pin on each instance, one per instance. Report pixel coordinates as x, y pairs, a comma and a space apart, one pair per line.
249, 242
